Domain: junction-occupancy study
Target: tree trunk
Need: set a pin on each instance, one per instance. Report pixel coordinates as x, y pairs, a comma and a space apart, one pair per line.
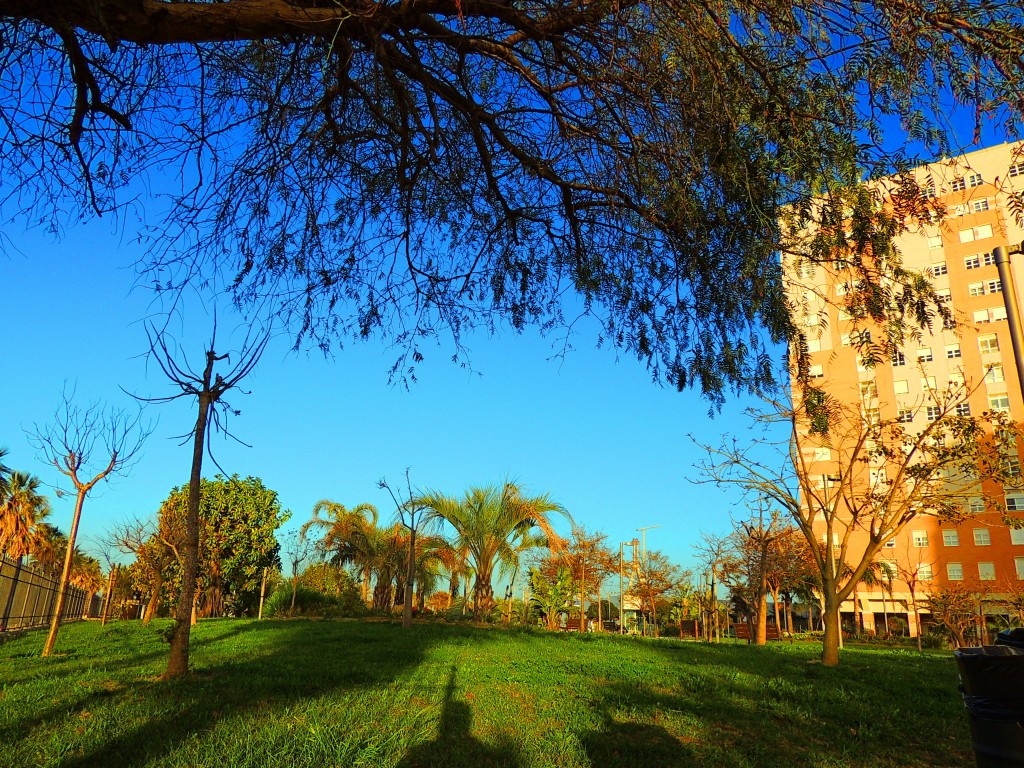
62, 586
831, 642
111, 578
177, 664
761, 628
858, 621
483, 597
295, 590
775, 609
410, 577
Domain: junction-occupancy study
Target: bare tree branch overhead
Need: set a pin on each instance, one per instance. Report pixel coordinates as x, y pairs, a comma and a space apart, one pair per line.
416, 168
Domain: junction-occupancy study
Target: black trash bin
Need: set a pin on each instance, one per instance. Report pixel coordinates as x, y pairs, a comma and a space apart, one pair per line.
992, 682
1011, 637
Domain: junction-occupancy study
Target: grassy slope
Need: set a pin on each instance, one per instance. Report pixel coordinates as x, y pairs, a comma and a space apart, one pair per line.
363, 694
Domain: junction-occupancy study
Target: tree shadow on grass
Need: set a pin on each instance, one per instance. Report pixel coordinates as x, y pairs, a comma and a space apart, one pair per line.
455, 745
297, 663
625, 745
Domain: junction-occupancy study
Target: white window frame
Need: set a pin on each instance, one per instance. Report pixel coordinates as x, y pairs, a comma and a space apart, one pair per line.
982, 537
950, 538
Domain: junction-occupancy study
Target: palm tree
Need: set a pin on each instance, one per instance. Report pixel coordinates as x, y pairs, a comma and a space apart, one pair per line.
348, 531
494, 524
22, 510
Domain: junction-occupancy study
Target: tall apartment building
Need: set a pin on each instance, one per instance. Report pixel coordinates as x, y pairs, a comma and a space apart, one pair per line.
957, 254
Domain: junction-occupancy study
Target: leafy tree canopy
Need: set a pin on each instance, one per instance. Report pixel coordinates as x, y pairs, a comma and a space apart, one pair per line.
417, 167
236, 539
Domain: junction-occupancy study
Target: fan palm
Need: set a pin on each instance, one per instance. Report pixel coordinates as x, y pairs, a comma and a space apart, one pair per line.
494, 524
346, 534
22, 510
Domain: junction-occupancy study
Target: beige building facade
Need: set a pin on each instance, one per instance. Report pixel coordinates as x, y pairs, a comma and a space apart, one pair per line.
981, 193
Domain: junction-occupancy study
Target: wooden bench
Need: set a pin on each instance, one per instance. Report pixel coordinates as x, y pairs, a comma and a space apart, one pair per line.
743, 632
573, 625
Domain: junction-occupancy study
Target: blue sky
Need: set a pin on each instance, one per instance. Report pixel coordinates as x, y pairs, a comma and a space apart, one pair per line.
592, 431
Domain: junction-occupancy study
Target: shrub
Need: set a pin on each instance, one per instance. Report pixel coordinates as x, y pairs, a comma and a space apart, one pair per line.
310, 602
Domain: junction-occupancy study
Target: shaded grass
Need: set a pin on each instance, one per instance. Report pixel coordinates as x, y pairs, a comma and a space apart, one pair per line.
299, 693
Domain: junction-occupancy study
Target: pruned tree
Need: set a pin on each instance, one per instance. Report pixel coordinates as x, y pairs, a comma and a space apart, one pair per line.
888, 475
409, 168
748, 561
412, 512
86, 445
208, 388
297, 550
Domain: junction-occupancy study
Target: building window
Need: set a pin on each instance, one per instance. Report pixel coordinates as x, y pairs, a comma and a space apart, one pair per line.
999, 404
956, 379
944, 295
950, 538
976, 505
935, 242
890, 544
988, 343
954, 572
972, 262
1017, 169
1018, 563
901, 387
842, 289
981, 316
871, 415
920, 538
807, 271
997, 313
975, 289
971, 234
845, 340
981, 205
816, 371
974, 180
994, 374
1017, 536
952, 351
1011, 465
898, 358
949, 323
963, 409
822, 454
982, 537
924, 354
988, 259
939, 268
933, 412
961, 209
987, 571
868, 390
959, 185
928, 383
905, 417
995, 286
924, 572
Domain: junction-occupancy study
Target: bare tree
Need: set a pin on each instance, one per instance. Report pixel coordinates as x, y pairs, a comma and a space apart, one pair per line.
86, 445
297, 549
208, 388
410, 512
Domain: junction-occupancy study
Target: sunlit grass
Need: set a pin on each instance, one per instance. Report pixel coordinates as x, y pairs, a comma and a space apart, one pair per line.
368, 694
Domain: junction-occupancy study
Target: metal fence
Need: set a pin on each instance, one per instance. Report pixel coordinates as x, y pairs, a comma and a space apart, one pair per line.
28, 596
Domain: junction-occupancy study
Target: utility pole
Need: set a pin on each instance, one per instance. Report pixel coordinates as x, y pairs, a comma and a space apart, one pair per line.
646, 576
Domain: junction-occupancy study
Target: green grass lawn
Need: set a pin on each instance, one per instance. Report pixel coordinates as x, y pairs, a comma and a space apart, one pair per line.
298, 693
